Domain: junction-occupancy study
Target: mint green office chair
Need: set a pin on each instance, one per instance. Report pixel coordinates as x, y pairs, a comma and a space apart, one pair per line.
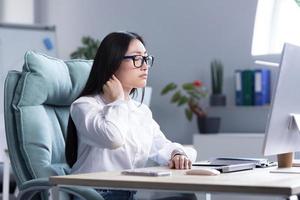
36, 113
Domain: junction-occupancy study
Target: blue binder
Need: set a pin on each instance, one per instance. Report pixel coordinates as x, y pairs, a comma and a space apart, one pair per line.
238, 88
262, 86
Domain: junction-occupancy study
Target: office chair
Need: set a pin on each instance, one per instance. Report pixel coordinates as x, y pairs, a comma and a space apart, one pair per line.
36, 110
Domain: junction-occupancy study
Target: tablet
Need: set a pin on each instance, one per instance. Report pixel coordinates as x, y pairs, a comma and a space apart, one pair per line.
145, 172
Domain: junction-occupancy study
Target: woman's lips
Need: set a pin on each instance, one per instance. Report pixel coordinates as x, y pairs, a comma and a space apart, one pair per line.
144, 76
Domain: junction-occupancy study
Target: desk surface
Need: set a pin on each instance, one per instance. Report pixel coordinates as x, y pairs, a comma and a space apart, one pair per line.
258, 181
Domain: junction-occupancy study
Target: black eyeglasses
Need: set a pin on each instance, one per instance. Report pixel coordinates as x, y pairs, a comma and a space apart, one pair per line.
138, 61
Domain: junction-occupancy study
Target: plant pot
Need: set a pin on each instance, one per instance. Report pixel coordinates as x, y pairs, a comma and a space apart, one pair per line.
217, 100
209, 124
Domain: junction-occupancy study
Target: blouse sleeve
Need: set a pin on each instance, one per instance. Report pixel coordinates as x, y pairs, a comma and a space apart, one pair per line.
162, 148
101, 126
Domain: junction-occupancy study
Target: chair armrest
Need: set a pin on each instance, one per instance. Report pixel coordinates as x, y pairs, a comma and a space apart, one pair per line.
39, 182
32, 187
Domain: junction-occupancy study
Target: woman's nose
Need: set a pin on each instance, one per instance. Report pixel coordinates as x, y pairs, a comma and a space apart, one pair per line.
145, 66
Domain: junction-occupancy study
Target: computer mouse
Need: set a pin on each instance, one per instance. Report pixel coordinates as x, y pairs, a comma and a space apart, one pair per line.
203, 171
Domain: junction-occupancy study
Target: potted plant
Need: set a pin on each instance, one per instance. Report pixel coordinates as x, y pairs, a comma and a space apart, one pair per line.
87, 50
189, 95
217, 98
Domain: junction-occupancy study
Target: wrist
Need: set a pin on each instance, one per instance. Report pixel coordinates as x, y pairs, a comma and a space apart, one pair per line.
114, 99
177, 152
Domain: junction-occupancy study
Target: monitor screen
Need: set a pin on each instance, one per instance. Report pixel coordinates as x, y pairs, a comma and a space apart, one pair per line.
283, 136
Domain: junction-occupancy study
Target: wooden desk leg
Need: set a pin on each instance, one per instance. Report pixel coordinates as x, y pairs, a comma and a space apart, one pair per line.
6, 173
54, 193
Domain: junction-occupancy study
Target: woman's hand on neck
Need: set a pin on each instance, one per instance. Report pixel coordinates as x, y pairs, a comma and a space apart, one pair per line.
113, 90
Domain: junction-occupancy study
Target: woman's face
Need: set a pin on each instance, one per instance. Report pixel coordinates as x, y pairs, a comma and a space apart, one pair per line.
129, 75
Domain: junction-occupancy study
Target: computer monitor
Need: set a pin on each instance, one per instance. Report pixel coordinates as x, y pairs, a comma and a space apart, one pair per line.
282, 131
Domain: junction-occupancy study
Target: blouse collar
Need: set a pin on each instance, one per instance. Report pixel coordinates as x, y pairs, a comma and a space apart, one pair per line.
132, 104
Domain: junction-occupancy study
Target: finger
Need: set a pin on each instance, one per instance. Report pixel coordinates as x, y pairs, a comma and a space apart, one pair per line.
176, 161
108, 82
186, 163
104, 87
112, 81
181, 161
190, 164
114, 78
171, 164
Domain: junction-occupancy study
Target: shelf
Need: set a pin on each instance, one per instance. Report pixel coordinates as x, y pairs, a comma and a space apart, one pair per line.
240, 110
241, 118
240, 107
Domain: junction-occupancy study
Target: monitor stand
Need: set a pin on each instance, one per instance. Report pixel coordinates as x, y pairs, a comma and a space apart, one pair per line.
285, 160
285, 163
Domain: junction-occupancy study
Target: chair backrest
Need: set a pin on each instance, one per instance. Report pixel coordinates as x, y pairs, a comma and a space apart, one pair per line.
36, 109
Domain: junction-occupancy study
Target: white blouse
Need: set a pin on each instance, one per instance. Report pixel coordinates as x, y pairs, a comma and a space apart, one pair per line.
119, 135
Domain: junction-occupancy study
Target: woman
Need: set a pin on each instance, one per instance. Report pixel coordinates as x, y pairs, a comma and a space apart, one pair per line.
108, 130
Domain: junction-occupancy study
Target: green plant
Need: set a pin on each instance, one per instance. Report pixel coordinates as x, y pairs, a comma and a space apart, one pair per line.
216, 67
189, 94
87, 50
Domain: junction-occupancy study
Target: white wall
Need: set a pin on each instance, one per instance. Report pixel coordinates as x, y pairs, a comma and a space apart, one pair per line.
17, 11
182, 35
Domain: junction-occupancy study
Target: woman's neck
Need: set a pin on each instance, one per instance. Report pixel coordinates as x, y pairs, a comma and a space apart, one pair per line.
127, 93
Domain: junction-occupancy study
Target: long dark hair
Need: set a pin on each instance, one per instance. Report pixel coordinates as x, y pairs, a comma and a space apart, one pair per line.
107, 61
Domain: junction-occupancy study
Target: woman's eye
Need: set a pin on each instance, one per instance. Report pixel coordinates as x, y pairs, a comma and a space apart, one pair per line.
138, 58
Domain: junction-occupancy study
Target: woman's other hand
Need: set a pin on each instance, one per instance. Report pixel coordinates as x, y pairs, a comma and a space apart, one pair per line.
113, 90
180, 162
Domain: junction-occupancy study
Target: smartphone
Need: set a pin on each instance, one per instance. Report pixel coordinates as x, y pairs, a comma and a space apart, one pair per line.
140, 172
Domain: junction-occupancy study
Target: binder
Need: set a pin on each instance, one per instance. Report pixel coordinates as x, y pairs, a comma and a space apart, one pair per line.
262, 86
248, 87
238, 88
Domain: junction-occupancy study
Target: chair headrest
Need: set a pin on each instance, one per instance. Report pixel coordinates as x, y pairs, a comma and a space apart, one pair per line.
48, 80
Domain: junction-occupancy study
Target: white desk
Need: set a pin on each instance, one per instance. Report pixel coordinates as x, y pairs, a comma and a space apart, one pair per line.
258, 181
